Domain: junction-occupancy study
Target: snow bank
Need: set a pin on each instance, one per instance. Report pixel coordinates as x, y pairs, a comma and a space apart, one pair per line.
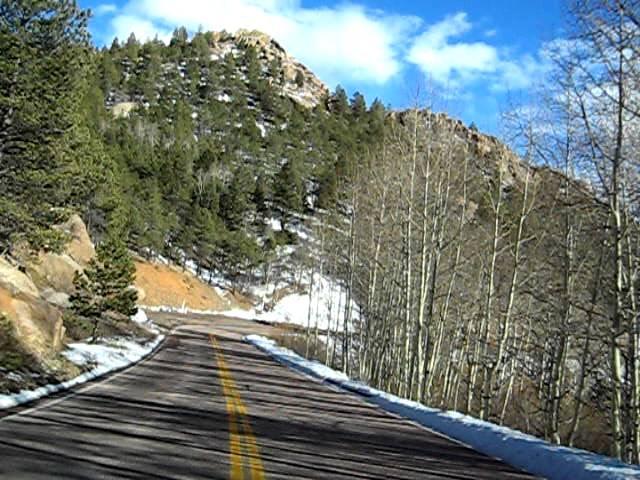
325, 307
140, 317
109, 356
522, 451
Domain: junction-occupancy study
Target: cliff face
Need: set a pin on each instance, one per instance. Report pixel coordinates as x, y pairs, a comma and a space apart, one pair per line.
296, 80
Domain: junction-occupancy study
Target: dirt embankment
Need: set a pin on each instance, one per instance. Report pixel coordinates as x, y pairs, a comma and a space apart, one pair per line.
166, 285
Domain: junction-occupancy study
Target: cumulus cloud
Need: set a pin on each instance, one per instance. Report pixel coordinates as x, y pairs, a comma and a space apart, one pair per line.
143, 29
105, 9
344, 43
446, 61
443, 55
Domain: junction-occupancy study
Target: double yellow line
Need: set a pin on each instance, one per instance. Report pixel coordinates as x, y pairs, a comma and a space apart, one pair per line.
242, 446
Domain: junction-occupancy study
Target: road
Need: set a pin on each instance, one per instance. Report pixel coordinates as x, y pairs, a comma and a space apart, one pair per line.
208, 406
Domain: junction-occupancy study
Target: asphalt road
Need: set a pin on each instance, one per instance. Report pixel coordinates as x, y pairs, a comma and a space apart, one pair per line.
208, 406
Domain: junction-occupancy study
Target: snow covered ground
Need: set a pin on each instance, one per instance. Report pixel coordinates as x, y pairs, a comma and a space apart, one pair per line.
522, 451
324, 308
106, 356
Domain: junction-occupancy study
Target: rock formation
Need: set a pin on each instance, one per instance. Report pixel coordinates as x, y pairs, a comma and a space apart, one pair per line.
32, 296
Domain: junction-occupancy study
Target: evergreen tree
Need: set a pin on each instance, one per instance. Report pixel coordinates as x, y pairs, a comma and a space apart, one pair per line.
254, 70
132, 48
261, 195
358, 105
109, 73
328, 188
289, 191
339, 101
235, 204
44, 62
200, 46
106, 284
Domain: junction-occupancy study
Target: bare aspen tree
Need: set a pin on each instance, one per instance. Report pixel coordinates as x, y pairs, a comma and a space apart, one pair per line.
606, 33
505, 325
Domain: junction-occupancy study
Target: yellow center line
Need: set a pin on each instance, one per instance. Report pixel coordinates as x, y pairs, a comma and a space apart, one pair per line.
237, 411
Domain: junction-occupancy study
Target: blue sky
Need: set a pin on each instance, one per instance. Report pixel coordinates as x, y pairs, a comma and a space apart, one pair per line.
471, 58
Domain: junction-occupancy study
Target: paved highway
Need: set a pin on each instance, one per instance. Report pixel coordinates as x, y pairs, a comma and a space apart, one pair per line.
208, 406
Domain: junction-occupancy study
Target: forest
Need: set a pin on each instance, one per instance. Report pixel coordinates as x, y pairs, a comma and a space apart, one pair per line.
493, 277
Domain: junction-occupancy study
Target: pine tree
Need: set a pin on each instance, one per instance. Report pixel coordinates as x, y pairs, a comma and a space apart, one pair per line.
132, 48
328, 188
288, 191
45, 58
109, 73
358, 105
261, 195
339, 101
105, 286
254, 70
235, 204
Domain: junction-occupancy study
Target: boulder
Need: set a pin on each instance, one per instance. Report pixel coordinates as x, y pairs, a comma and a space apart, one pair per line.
122, 109
54, 271
141, 293
38, 324
14, 281
58, 299
80, 248
33, 300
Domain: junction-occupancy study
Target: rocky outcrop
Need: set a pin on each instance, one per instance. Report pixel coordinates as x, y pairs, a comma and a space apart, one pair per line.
33, 296
14, 281
298, 82
486, 151
80, 247
123, 109
55, 271
37, 323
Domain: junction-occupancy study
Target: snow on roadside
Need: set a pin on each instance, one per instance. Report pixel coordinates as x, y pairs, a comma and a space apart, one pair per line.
327, 308
141, 319
520, 450
324, 308
106, 357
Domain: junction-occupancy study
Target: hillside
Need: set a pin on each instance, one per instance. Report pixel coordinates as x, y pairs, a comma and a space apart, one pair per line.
221, 136
436, 258
425, 258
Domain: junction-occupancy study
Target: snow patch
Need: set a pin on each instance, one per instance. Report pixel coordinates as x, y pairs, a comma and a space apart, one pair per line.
108, 356
262, 128
140, 317
324, 308
520, 450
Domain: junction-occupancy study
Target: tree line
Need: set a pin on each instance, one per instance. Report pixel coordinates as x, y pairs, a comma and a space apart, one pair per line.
210, 154
506, 287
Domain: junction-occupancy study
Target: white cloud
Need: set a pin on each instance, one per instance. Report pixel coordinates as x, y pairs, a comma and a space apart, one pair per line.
446, 59
450, 62
347, 42
105, 9
125, 25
